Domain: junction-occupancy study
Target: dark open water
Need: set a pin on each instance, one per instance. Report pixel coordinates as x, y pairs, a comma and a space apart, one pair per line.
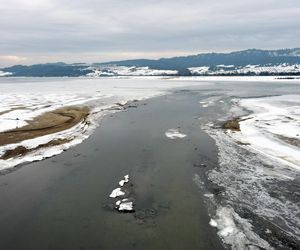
62, 202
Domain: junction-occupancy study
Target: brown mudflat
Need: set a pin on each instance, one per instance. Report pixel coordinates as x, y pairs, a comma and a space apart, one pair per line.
232, 124
47, 123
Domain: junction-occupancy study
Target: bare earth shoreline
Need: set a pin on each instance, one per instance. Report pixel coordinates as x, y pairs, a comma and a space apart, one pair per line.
48, 123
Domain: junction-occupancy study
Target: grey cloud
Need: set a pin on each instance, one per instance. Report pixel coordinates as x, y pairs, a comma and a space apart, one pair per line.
41, 29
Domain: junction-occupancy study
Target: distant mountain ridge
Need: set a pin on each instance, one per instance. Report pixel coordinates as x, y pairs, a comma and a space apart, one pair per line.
246, 62
238, 58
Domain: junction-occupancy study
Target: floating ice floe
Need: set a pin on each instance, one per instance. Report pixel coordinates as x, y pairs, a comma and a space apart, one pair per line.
122, 182
124, 205
116, 193
174, 134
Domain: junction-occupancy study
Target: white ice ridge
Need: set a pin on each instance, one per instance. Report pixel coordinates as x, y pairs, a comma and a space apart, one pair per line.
174, 134
273, 128
116, 193
126, 179
124, 205
236, 231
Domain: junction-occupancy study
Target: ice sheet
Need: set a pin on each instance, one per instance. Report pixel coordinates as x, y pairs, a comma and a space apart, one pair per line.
273, 127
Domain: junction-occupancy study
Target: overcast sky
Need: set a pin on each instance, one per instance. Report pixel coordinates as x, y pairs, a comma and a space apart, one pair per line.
35, 31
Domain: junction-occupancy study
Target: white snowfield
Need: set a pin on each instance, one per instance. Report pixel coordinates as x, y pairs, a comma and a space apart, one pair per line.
273, 128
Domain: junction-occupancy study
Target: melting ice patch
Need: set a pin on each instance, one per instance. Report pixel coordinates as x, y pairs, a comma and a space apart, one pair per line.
126, 204
174, 134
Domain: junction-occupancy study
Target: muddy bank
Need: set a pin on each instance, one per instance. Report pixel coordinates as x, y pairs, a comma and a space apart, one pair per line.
47, 123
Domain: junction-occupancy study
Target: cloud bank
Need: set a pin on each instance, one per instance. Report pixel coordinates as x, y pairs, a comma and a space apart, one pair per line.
98, 30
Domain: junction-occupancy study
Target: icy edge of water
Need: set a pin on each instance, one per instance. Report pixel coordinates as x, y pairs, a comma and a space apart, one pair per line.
236, 231
272, 128
257, 184
76, 134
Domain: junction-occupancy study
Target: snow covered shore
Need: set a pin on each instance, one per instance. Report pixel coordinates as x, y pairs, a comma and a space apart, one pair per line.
273, 127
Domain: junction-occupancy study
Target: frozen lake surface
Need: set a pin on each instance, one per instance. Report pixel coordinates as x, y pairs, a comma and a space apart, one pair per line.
223, 189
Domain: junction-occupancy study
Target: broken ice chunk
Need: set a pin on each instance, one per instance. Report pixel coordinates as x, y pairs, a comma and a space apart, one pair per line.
125, 205
122, 182
116, 192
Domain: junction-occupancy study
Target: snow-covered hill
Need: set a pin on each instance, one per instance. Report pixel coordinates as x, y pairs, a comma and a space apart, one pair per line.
246, 62
128, 71
247, 70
